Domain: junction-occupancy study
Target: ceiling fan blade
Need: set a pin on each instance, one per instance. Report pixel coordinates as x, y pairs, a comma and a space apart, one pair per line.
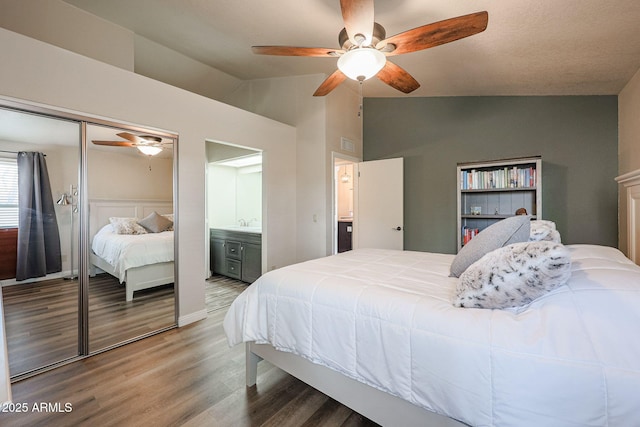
330, 83
358, 18
295, 51
396, 77
437, 33
115, 143
130, 137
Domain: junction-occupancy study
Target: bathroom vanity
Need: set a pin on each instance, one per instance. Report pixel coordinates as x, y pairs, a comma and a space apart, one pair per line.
236, 252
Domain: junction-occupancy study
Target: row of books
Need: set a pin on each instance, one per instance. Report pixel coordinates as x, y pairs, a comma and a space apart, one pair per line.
514, 177
468, 234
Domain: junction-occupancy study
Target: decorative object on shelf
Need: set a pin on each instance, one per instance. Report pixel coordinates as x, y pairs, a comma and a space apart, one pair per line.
521, 211
476, 210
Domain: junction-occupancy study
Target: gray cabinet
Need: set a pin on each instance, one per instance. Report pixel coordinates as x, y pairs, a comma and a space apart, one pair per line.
491, 191
236, 254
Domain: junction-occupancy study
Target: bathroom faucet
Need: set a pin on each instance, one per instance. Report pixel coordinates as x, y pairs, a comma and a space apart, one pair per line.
242, 222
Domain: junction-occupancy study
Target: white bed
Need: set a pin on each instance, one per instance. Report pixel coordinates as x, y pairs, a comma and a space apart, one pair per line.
376, 330
139, 261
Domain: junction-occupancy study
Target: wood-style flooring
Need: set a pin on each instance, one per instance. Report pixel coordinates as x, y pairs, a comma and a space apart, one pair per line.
41, 318
220, 291
183, 377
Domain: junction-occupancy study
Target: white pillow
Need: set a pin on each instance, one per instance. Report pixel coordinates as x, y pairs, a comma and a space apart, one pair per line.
514, 276
122, 225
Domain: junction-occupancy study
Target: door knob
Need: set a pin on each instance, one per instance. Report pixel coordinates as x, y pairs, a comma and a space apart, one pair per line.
398, 228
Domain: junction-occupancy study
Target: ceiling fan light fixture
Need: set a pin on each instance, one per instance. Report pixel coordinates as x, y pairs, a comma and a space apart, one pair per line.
149, 150
361, 63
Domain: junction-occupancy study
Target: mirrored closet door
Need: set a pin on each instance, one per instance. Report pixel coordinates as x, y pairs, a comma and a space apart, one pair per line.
39, 164
95, 268
131, 265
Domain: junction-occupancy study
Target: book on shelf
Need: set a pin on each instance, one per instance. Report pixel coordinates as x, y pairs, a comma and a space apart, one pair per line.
503, 178
468, 234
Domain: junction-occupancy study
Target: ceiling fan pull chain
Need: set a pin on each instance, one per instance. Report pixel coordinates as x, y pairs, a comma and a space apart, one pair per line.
360, 108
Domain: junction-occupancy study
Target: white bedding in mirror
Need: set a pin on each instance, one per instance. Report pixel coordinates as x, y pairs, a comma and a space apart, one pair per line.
125, 251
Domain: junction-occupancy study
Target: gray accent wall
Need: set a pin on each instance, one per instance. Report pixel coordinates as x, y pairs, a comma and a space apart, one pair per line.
577, 137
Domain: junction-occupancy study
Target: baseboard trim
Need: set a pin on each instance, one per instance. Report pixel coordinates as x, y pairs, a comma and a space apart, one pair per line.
192, 318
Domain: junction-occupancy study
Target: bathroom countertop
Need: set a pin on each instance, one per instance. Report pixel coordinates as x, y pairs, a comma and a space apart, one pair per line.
240, 228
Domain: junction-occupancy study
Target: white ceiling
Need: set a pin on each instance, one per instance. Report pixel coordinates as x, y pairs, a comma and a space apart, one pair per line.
543, 47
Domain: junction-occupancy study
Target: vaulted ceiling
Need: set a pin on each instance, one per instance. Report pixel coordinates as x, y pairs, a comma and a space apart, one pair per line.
544, 47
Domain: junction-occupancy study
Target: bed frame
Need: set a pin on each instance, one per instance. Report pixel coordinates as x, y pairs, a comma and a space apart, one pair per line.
136, 278
378, 406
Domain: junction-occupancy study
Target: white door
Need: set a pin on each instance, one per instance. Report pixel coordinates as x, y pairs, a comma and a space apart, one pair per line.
378, 205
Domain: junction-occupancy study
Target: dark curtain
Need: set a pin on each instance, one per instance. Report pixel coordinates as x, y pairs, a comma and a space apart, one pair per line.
38, 235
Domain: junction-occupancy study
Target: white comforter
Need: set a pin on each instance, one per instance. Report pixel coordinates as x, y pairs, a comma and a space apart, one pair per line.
124, 251
571, 358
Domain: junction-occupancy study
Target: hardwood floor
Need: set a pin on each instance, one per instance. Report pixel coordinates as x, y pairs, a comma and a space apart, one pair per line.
220, 291
183, 377
41, 319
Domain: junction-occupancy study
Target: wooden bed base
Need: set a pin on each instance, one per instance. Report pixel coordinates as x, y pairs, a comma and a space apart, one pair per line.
378, 406
138, 278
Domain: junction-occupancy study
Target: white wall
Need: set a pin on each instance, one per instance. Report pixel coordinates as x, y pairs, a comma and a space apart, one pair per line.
167, 65
628, 148
64, 25
249, 195
320, 122
36, 72
221, 195
133, 179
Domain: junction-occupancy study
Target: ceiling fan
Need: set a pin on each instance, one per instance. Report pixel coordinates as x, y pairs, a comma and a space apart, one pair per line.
364, 47
147, 144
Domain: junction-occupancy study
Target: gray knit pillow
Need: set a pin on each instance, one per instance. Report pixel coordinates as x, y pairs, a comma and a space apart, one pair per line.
511, 230
155, 223
514, 276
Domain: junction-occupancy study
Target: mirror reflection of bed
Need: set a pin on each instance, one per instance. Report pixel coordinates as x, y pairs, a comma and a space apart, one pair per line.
131, 266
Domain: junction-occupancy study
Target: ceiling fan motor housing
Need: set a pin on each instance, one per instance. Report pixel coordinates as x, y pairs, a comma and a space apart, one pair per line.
378, 35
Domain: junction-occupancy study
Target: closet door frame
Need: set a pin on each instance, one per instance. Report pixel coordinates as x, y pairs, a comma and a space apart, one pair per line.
83, 224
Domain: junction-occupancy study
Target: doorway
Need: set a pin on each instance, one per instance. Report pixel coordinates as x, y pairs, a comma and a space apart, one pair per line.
234, 212
344, 168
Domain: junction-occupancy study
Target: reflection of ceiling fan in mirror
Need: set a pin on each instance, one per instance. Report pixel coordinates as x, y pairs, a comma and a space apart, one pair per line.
364, 48
147, 144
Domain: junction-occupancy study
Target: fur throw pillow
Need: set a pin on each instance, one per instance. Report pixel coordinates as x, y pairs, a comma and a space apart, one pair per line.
544, 230
514, 275
126, 226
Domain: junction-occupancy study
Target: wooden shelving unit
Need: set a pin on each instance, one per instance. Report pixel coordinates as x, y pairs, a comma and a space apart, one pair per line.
488, 192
